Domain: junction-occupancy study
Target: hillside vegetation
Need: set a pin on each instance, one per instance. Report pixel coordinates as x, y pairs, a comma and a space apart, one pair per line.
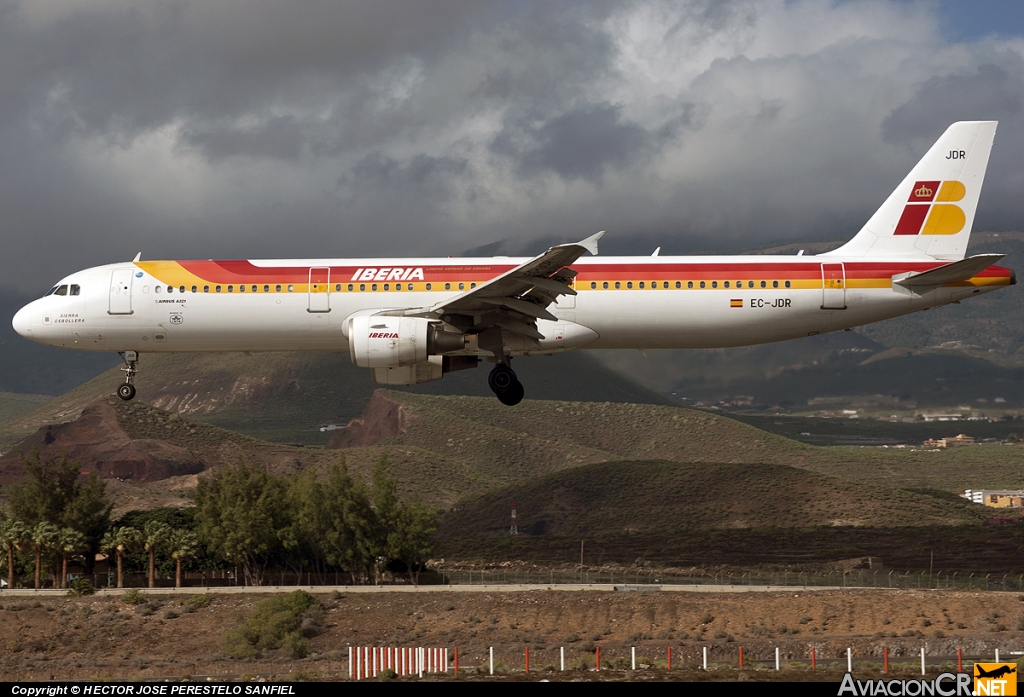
651, 497
286, 397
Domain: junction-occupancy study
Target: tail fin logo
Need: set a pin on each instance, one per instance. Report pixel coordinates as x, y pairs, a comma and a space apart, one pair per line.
928, 213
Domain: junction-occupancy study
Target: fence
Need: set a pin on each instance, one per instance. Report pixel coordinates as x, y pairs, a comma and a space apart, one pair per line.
858, 578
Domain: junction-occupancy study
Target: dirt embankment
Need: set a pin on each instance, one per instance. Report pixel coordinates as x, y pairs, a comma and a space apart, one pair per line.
99, 444
103, 637
382, 419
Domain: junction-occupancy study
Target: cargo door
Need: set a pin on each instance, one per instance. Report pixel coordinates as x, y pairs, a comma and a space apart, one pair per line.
833, 283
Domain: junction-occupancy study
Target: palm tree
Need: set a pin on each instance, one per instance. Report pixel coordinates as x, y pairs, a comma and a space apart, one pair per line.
12, 535
68, 542
42, 535
121, 540
154, 536
183, 544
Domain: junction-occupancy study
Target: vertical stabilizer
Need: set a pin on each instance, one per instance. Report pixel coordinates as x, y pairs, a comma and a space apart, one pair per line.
931, 212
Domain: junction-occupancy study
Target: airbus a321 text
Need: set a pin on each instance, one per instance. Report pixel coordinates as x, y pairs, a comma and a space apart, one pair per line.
413, 320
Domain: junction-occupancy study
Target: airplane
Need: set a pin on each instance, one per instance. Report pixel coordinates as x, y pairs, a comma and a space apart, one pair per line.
414, 320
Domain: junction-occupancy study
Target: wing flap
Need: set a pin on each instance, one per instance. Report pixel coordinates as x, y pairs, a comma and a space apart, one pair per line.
955, 272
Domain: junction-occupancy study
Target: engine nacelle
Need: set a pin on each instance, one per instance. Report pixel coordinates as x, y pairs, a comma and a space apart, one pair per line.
386, 341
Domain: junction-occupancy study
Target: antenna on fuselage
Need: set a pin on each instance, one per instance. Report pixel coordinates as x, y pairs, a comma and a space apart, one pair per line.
137, 257
656, 252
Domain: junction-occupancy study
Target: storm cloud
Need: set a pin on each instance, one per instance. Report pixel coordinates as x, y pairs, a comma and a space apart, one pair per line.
264, 129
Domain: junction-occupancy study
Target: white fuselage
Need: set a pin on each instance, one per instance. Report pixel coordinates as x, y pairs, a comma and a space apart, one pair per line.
288, 305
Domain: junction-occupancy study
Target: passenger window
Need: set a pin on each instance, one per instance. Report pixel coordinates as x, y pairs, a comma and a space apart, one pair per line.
447, 286
702, 284
218, 289
726, 284
750, 284
231, 289
787, 284
714, 284
337, 288
241, 289
387, 286
350, 287
158, 289
462, 286
62, 290
195, 289
689, 284
641, 284
472, 285
763, 284
679, 284
206, 289
266, 289
291, 288
775, 284
629, 284
373, 287
429, 286
593, 285
362, 286
617, 285
605, 284
277, 288
74, 289
170, 289
182, 289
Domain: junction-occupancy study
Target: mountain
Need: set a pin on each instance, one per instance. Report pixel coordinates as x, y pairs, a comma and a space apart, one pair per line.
287, 397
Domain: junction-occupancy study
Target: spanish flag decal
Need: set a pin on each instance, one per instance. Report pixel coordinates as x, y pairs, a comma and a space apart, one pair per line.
736, 302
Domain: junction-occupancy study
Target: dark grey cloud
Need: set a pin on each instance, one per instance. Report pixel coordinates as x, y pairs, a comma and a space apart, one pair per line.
578, 144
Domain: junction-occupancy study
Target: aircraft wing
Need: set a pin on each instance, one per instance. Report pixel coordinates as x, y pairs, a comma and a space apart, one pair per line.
516, 299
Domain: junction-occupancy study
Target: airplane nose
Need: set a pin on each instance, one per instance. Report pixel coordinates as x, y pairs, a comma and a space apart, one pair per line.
22, 324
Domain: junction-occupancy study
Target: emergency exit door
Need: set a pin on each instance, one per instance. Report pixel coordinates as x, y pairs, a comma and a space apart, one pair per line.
121, 291
833, 287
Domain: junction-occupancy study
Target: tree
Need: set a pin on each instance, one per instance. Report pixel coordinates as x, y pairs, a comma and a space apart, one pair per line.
404, 529
154, 535
57, 493
121, 540
13, 534
41, 536
241, 511
68, 542
183, 544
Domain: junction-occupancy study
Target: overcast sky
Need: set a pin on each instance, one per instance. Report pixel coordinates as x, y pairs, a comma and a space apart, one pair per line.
248, 128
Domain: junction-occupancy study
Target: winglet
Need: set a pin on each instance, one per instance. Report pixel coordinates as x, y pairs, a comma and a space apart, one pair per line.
137, 257
590, 244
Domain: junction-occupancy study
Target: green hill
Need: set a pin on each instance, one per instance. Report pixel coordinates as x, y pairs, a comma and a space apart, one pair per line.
655, 497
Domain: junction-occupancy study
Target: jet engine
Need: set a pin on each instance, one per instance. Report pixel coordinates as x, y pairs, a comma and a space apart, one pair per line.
386, 341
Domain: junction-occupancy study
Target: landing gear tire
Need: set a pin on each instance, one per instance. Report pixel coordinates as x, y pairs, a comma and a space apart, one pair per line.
513, 395
504, 383
126, 390
501, 378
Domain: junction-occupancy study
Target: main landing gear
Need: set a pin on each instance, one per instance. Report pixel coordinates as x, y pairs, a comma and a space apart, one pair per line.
504, 383
127, 390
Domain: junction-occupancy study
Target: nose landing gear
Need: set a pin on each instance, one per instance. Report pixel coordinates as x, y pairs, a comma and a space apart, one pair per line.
127, 390
504, 383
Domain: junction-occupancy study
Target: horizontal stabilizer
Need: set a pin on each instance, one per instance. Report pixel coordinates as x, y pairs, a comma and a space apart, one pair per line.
950, 273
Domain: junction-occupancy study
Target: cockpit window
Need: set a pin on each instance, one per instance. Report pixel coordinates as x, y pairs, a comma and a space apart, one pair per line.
50, 292
75, 289
61, 290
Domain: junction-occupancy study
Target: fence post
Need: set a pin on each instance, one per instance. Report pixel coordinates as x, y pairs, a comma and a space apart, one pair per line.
632, 653
597, 659
705, 658
456, 660
922, 661
492, 660
561, 650
849, 660
885, 653
527, 660
776, 658
349, 662
959, 660
814, 658
741, 658
669, 658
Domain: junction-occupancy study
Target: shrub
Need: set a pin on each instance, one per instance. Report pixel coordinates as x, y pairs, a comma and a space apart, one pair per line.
278, 622
134, 597
199, 601
81, 586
